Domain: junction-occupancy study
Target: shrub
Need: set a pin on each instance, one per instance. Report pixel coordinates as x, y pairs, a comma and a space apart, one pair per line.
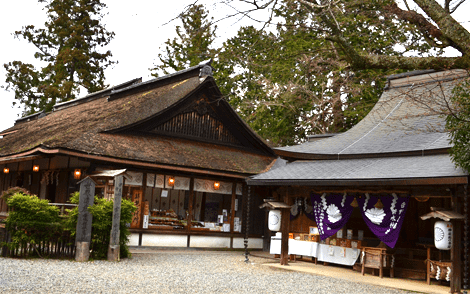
12, 191
31, 221
102, 212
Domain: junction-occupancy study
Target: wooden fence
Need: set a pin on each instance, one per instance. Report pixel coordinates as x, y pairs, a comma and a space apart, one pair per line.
58, 246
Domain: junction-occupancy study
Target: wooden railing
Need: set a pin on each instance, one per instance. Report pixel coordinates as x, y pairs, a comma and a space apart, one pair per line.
59, 245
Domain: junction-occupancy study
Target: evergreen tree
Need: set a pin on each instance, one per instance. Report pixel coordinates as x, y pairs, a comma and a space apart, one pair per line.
292, 82
68, 45
192, 44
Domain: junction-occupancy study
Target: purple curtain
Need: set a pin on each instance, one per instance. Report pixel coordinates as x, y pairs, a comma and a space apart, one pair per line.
384, 220
332, 212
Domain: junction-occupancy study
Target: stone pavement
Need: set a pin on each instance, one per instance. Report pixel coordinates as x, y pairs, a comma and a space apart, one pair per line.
352, 276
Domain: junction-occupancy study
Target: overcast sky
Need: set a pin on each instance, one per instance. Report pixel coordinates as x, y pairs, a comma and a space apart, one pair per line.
140, 31
140, 26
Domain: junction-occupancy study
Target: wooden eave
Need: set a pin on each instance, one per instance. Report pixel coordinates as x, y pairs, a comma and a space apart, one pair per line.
20, 159
444, 215
274, 205
362, 182
127, 162
292, 156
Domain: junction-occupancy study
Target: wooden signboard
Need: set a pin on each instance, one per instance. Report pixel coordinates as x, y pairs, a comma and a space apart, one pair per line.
137, 199
145, 224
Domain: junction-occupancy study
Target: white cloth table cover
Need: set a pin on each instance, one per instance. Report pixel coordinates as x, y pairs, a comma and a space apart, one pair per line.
323, 252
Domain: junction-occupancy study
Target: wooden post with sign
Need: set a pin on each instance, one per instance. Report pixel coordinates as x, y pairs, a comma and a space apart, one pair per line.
114, 247
83, 235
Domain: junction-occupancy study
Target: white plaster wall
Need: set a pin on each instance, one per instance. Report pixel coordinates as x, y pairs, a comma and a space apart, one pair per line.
210, 242
164, 240
253, 243
133, 240
196, 241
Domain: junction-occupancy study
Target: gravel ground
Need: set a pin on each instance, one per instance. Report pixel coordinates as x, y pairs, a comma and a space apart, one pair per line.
167, 272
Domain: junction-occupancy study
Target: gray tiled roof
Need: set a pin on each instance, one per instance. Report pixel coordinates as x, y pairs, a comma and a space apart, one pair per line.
432, 166
406, 118
402, 138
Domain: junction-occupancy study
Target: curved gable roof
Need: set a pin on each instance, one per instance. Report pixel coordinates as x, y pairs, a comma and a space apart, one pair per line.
407, 119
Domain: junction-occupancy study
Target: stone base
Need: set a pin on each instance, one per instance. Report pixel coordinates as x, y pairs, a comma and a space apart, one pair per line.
113, 252
82, 252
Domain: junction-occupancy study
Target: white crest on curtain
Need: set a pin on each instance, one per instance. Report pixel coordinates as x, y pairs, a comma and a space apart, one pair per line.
376, 215
334, 215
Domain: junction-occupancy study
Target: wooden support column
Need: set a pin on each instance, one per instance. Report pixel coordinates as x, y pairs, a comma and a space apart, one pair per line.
285, 223
232, 206
190, 210
142, 205
455, 253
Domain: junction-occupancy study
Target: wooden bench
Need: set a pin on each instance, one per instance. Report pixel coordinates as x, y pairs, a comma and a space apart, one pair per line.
377, 258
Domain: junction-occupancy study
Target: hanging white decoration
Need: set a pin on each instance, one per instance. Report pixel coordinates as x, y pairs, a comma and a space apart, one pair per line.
376, 215
274, 220
334, 215
443, 235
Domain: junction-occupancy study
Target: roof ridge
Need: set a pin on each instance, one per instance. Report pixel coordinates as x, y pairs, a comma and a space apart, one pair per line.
376, 126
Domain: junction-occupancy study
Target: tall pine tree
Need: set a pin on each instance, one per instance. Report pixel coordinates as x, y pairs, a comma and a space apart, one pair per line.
192, 44
69, 47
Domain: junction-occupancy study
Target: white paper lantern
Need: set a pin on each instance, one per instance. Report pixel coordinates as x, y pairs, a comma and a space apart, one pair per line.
443, 235
274, 220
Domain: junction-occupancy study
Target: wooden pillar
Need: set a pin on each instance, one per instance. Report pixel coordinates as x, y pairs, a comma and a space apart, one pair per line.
285, 223
232, 207
456, 276
142, 201
83, 234
455, 253
190, 210
114, 246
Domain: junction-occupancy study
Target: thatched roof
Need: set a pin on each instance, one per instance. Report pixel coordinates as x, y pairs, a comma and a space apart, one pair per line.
105, 125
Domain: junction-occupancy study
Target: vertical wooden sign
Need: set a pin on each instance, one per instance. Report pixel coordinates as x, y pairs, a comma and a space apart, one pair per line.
137, 199
83, 235
145, 223
114, 247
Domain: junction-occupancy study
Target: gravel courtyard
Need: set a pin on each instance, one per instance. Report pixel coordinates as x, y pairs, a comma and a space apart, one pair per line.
167, 272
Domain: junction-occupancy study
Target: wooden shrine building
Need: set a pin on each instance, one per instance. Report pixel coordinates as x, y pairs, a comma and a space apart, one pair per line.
186, 152
394, 166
